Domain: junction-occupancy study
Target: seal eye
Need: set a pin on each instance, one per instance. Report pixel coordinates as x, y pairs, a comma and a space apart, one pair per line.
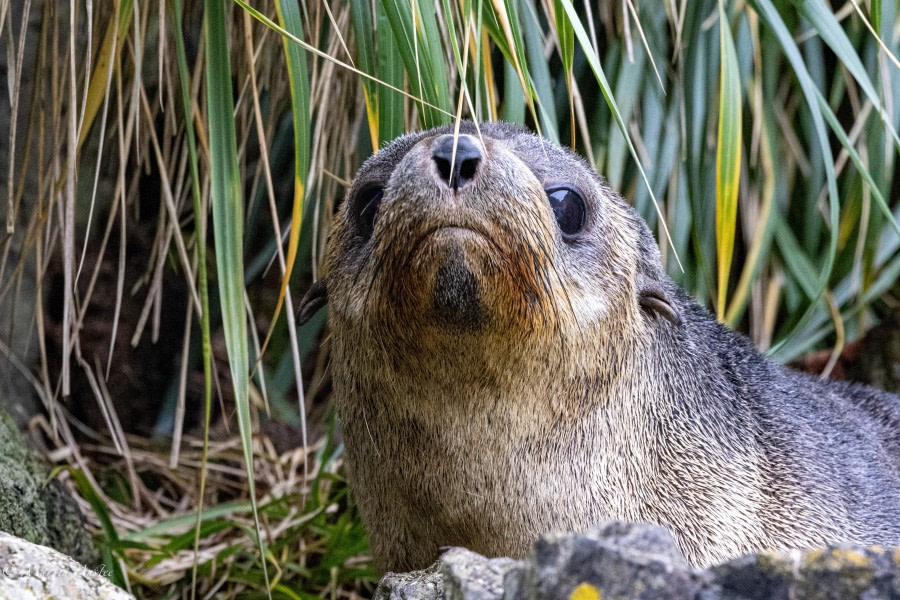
568, 208
366, 209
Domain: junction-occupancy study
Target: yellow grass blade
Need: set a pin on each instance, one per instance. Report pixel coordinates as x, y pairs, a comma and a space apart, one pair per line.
728, 157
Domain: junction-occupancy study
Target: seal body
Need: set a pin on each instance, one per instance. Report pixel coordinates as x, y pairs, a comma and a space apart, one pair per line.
509, 358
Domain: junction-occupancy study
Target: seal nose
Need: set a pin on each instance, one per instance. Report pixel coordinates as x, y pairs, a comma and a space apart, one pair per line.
468, 155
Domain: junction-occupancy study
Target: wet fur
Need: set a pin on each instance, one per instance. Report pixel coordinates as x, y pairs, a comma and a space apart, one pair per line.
585, 386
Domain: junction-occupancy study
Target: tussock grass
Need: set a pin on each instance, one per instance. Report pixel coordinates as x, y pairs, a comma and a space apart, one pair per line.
758, 138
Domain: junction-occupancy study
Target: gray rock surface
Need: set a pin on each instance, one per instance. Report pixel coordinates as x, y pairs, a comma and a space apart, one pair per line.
465, 576
627, 561
418, 585
32, 572
621, 560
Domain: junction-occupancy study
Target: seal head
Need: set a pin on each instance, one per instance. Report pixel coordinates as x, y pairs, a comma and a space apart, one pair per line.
482, 234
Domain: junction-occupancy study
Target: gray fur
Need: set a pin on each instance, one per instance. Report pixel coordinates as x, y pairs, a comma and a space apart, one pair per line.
562, 396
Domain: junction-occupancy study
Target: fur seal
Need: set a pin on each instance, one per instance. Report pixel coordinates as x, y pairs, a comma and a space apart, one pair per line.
509, 358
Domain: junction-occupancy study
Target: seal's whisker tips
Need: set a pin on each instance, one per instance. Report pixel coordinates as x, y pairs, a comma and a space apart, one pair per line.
544, 148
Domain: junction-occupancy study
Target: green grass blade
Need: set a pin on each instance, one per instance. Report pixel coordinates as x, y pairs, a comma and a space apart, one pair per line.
605, 89
826, 24
289, 18
298, 79
628, 88
857, 161
514, 97
391, 121
501, 19
770, 16
539, 72
762, 237
102, 512
228, 224
728, 157
566, 36
796, 260
316, 52
420, 49
200, 223
362, 22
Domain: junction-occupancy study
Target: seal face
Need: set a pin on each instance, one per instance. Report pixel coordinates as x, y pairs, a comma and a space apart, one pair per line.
475, 233
509, 358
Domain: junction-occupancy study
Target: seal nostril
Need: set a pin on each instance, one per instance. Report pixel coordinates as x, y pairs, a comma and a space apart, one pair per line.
456, 171
443, 167
467, 170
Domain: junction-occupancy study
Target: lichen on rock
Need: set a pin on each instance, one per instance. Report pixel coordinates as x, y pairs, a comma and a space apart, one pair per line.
34, 508
625, 561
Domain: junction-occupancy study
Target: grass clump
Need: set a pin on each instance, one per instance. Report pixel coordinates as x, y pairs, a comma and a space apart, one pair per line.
172, 170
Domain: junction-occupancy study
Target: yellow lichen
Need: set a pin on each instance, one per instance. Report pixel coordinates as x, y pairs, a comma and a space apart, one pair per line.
836, 558
585, 591
852, 557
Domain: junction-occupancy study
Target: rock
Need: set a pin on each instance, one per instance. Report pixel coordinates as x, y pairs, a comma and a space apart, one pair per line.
839, 572
626, 561
459, 574
616, 560
470, 576
33, 508
756, 577
418, 585
32, 572
870, 573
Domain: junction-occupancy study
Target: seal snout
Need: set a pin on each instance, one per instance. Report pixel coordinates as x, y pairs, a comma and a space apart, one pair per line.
456, 171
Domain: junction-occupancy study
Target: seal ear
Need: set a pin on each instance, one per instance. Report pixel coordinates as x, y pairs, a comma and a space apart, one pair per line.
315, 298
652, 297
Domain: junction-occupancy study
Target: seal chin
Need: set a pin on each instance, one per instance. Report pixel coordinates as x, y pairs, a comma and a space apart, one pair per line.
456, 295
